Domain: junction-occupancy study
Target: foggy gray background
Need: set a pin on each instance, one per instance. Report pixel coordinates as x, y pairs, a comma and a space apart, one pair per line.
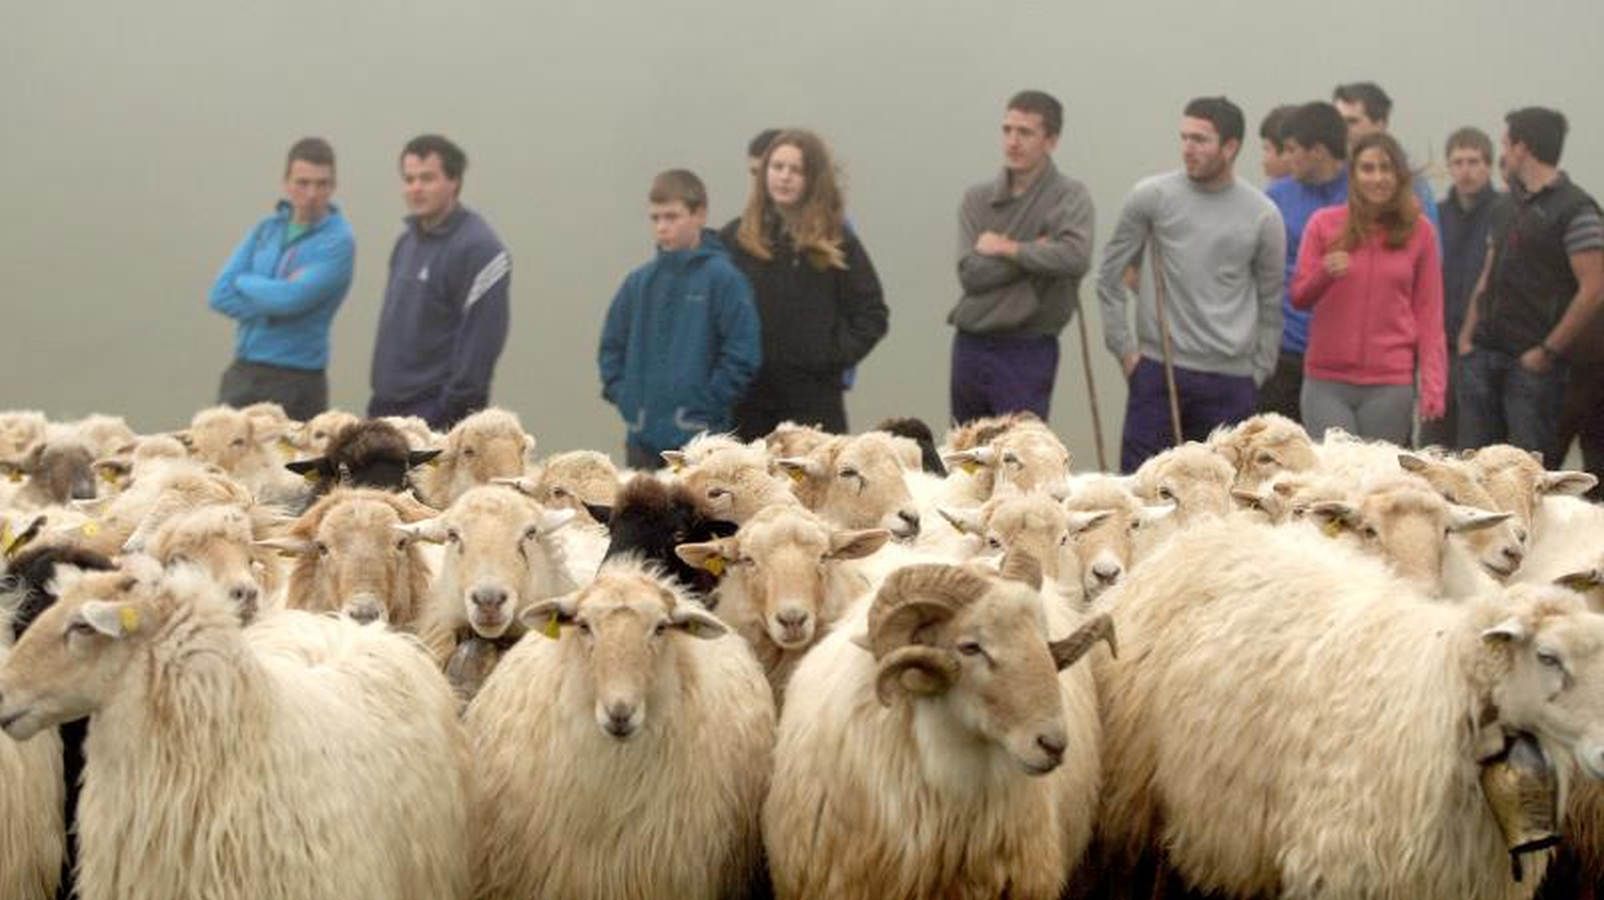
140, 141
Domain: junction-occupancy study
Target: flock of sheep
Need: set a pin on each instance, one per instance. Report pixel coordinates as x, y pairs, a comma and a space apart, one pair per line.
353, 658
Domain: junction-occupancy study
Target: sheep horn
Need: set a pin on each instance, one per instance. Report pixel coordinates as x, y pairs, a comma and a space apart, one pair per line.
915, 670
1021, 566
916, 596
1070, 649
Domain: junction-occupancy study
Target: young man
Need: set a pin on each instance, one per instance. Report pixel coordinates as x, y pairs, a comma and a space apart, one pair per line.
1316, 145
1024, 242
1271, 144
283, 285
1365, 108
1543, 287
682, 339
1221, 248
445, 312
1470, 214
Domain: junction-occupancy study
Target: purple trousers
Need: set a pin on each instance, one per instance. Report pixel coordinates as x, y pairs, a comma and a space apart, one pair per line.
1207, 401
995, 375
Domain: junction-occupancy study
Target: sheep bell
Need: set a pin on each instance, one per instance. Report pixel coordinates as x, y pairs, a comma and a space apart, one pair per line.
1522, 791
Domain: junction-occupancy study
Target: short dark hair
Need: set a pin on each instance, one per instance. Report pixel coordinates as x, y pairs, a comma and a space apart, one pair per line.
680, 185
1274, 121
452, 160
1470, 138
1042, 104
1225, 116
1542, 130
1317, 124
313, 150
759, 144
1378, 106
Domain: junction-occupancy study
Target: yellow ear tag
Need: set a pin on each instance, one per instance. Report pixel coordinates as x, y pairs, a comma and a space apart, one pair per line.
1579, 583
433, 463
285, 445
1332, 528
714, 564
128, 617
312, 475
969, 466
693, 628
90, 528
6, 538
15, 476
553, 629
676, 467
796, 474
109, 476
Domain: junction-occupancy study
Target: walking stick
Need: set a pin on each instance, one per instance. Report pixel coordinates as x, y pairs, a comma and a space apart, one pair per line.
1164, 336
1091, 388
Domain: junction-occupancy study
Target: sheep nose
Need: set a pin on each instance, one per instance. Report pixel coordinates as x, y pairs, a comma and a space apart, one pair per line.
1052, 744
489, 598
792, 618
364, 614
911, 519
619, 720
243, 595
83, 488
1514, 554
1107, 573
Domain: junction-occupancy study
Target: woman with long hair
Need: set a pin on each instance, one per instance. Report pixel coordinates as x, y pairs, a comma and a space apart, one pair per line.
1371, 272
816, 290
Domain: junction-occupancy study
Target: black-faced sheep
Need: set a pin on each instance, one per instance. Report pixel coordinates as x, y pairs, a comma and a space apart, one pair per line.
649, 519
366, 454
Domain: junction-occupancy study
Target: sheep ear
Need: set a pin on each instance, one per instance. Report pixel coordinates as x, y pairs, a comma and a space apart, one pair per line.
316, 469
1468, 518
1081, 519
114, 620
525, 486
675, 460
553, 519
12, 541
856, 544
1510, 631
966, 521
1574, 483
417, 458
1151, 514
710, 556
696, 622
971, 461
602, 514
430, 530
183, 437
288, 546
1334, 515
1581, 582
548, 616
12, 470
801, 468
1412, 463
1249, 499
111, 471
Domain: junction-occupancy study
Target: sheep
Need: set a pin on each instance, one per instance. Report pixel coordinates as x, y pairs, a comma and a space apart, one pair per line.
980, 432
53, 472
916, 430
418, 433
158, 491
790, 439
733, 483
314, 435
367, 453
1501, 548
104, 435
626, 759
1193, 476
116, 470
1027, 456
1105, 521
1037, 525
30, 583
1291, 719
650, 518
1519, 484
333, 763
32, 830
20, 430
501, 555
574, 480
937, 744
859, 482
222, 541
487, 445
784, 583
242, 446
1261, 446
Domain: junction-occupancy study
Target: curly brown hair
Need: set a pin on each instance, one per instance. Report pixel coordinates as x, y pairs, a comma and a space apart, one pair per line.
1396, 217
816, 225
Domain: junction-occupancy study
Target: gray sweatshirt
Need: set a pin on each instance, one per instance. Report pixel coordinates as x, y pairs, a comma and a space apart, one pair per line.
1223, 254
1036, 292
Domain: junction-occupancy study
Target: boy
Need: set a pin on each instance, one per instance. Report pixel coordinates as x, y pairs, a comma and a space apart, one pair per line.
681, 341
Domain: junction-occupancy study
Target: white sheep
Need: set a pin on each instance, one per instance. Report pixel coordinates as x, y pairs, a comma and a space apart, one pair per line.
1291, 719
935, 744
626, 759
31, 838
487, 445
305, 757
859, 481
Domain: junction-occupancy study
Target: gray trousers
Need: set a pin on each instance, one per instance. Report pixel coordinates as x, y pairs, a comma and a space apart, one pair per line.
303, 393
1370, 411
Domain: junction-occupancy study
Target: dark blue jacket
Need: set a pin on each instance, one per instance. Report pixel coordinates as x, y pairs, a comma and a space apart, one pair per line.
284, 294
1297, 202
1465, 236
444, 320
681, 343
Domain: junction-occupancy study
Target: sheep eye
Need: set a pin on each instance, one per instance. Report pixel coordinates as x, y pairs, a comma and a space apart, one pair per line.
452, 536
971, 648
715, 493
1010, 459
322, 548
401, 544
237, 442
583, 626
660, 628
319, 435
1369, 532
1063, 541
1264, 459
558, 492
1549, 658
743, 560
1136, 524
531, 532
467, 451
850, 472
994, 542
1164, 493
81, 628
178, 559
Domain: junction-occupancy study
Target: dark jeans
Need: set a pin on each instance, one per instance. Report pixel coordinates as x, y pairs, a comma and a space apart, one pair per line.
1501, 402
1444, 432
1581, 419
1283, 390
302, 392
1207, 401
995, 376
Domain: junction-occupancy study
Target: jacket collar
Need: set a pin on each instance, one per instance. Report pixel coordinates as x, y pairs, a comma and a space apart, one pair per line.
451, 223
283, 210
1001, 193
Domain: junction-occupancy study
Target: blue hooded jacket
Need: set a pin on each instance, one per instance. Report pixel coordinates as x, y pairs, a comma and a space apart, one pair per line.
681, 343
284, 294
